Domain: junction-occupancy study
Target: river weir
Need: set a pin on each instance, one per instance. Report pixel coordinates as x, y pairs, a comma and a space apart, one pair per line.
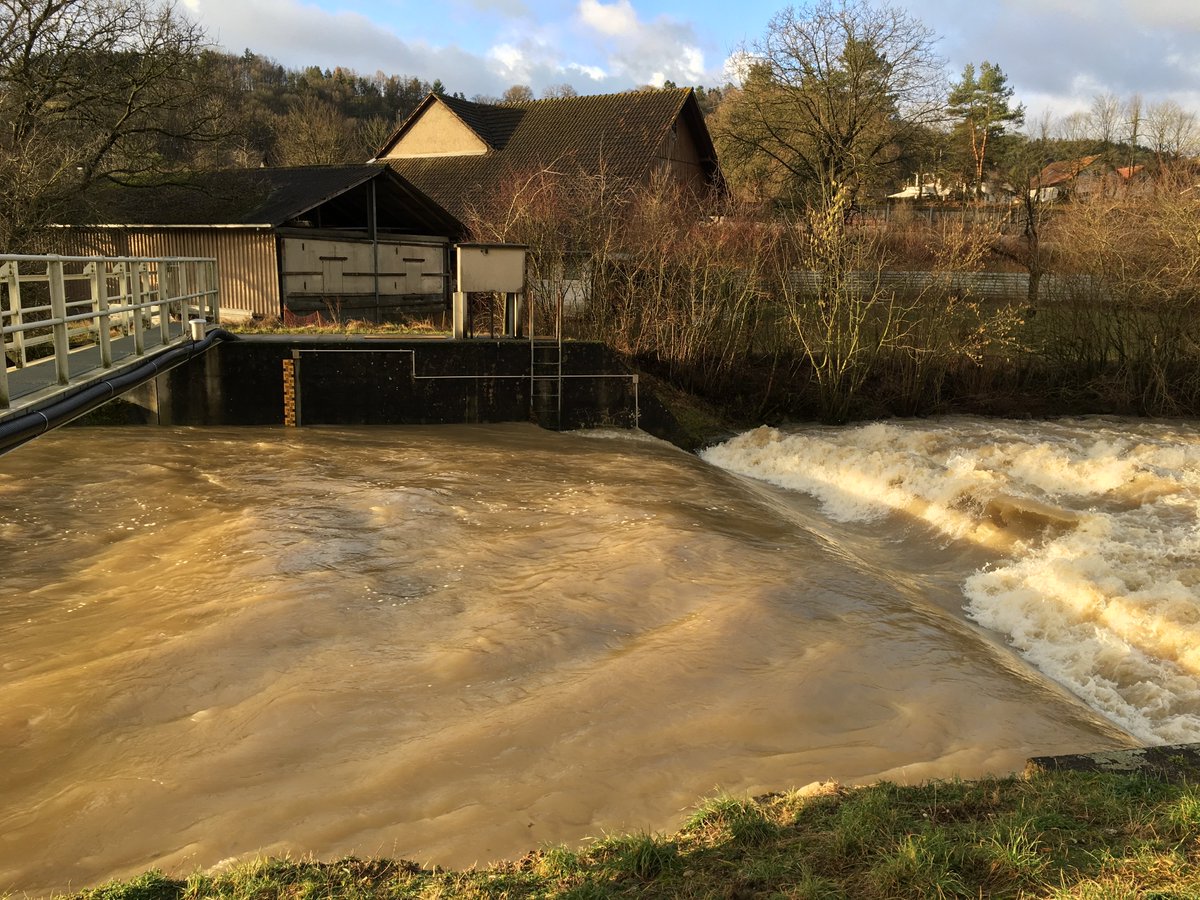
455, 644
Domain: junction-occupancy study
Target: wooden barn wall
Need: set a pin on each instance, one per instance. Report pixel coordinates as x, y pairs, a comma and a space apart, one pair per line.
680, 156
247, 264
316, 268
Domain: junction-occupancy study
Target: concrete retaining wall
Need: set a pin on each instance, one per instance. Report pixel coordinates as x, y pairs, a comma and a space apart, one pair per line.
370, 381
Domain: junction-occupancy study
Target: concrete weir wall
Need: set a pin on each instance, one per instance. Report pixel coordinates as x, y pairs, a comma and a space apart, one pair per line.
271, 380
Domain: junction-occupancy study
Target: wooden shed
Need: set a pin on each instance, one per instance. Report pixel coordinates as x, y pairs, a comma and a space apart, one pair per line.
346, 241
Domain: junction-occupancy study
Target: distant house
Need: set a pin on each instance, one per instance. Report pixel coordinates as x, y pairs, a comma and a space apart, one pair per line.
1058, 179
350, 241
1085, 178
461, 153
925, 186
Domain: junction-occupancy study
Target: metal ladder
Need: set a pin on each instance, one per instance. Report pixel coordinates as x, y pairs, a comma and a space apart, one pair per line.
545, 390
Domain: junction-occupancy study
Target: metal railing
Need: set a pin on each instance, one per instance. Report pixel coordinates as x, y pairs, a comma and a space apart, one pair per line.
53, 306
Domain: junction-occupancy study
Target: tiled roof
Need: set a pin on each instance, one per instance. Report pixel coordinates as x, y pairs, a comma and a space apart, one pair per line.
268, 196
1063, 171
620, 134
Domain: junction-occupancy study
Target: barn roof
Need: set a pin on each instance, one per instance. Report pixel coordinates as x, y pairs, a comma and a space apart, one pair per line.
267, 197
619, 134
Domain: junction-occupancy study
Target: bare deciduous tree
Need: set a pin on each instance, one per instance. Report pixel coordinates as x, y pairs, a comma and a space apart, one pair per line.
1171, 131
1073, 127
1104, 118
831, 92
518, 93
314, 133
559, 90
92, 90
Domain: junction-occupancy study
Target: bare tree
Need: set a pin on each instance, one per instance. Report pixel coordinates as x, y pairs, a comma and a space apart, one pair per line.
1074, 127
831, 92
92, 90
1041, 127
1171, 131
1134, 116
559, 90
848, 319
1104, 118
518, 93
314, 133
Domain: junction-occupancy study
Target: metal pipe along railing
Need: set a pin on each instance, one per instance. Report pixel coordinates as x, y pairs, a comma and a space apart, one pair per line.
53, 306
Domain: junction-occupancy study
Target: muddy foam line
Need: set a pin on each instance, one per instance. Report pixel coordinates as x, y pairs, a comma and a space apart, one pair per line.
1093, 525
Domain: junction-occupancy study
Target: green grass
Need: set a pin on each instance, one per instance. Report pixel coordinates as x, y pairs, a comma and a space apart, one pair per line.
1051, 835
352, 326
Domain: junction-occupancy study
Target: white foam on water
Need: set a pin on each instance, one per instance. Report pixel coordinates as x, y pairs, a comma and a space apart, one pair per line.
1095, 523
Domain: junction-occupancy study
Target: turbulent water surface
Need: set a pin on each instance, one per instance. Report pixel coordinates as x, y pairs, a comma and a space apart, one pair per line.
455, 644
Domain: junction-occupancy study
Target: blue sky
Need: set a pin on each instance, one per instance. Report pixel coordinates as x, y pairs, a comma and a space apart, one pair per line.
1058, 54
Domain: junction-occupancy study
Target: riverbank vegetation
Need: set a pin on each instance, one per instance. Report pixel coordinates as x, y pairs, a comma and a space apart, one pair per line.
819, 313
1050, 834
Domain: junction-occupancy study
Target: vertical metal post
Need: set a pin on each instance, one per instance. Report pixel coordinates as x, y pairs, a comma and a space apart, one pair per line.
136, 274
15, 316
58, 317
373, 233
529, 308
179, 283
4, 395
164, 300
99, 279
187, 290
202, 300
5, 399
121, 271
213, 284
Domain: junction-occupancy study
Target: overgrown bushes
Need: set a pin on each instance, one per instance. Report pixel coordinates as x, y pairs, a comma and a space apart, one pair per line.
784, 317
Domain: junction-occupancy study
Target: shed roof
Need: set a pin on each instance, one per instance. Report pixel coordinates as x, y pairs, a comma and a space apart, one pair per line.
267, 197
620, 134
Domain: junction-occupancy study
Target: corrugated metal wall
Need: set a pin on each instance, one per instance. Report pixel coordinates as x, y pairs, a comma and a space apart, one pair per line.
246, 259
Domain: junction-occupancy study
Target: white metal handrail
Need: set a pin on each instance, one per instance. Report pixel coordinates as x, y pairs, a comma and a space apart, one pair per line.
73, 302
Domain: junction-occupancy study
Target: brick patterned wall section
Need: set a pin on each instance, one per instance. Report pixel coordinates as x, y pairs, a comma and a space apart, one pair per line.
289, 392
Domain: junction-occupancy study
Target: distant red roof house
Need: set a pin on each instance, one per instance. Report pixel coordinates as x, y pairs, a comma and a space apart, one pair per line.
460, 153
1128, 172
1057, 174
1085, 177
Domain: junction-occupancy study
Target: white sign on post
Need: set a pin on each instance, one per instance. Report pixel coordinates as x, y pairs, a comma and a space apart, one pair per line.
489, 267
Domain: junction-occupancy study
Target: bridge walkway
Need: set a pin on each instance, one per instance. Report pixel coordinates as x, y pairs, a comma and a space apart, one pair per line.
36, 384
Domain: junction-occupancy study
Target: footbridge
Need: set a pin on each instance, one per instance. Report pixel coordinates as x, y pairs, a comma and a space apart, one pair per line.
76, 331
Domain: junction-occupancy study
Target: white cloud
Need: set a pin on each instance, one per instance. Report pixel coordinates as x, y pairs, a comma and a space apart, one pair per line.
510, 57
642, 51
595, 73
1178, 15
612, 19
737, 66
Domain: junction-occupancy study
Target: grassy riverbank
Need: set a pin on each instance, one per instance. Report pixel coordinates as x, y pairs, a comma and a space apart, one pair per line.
1058, 834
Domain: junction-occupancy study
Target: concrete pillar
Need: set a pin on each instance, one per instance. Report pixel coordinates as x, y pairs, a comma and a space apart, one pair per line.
459, 315
510, 315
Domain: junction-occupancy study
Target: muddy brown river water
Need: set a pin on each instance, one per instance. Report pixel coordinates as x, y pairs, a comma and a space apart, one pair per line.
455, 644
